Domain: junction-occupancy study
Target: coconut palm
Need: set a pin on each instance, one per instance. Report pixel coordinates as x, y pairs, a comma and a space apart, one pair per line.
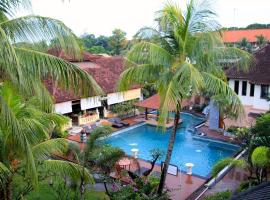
261, 40
23, 126
96, 154
33, 126
26, 67
182, 57
245, 45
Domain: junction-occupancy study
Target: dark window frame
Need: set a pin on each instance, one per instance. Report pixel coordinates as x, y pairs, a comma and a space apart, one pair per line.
236, 88
264, 94
252, 89
244, 88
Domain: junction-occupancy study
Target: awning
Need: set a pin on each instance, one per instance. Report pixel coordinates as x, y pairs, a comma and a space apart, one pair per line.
153, 102
63, 108
91, 102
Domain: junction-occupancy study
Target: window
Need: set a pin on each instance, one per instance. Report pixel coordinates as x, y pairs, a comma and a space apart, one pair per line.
236, 86
251, 90
244, 88
264, 91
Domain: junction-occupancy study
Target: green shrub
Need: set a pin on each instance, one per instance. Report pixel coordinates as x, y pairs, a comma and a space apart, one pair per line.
219, 196
232, 129
261, 157
245, 185
123, 109
262, 127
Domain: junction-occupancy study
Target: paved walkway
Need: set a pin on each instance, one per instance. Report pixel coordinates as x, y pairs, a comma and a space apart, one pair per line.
181, 186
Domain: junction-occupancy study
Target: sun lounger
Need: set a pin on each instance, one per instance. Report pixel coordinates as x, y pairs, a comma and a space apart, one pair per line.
119, 121
115, 124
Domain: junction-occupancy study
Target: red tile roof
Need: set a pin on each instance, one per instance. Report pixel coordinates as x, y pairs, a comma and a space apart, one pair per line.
259, 73
153, 102
233, 36
61, 54
105, 70
58, 94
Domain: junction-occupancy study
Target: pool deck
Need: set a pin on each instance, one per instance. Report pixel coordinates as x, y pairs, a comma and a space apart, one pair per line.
180, 186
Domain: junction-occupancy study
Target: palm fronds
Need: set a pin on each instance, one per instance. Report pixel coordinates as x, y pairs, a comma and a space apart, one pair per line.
69, 169
45, 149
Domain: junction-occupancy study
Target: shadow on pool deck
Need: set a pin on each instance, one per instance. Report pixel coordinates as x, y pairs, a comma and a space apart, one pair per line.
181, 186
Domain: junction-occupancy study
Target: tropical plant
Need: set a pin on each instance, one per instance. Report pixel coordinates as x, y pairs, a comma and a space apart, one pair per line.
245, 45
225, 109
95, 44
23, 122
143, 190
26, 68
123, 109
96, 155
221, 164
261, 160
261, 40
262, 126
117, 41
182, 57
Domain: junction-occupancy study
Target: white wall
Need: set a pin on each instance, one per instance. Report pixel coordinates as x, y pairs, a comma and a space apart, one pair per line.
256, 101
63, 108
91, 102
119, 97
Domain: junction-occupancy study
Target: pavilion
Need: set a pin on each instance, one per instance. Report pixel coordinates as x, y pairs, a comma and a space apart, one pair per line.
153, 103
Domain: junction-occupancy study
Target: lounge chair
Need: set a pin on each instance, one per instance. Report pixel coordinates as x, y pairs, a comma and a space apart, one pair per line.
119, 121
115, 124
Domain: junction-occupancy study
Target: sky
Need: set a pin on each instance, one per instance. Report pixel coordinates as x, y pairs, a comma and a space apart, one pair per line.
100, 17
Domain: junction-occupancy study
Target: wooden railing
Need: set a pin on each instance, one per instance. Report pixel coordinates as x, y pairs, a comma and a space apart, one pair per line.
87, 119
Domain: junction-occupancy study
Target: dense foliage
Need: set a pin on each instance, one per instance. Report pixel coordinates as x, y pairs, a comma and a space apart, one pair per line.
262, 126
123, 109
115, 44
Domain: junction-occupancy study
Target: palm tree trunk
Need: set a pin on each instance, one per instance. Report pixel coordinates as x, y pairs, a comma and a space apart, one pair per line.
9, 188
169, 152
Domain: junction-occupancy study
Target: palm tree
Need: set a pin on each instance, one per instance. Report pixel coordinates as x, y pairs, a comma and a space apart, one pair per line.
96, 154
34, 126
245, 45
182, 57
23, 126
26, 67
261, 40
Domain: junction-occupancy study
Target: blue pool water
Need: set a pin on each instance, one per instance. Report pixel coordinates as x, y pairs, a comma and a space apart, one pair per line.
202, 153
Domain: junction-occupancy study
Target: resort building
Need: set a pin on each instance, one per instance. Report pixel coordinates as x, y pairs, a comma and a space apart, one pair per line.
253, 86
106, 72
235, 36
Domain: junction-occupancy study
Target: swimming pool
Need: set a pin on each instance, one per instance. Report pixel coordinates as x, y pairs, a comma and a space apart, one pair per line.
187, 148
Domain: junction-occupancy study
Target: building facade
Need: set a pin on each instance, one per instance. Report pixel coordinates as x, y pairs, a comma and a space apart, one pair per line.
106, 72
253, 86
